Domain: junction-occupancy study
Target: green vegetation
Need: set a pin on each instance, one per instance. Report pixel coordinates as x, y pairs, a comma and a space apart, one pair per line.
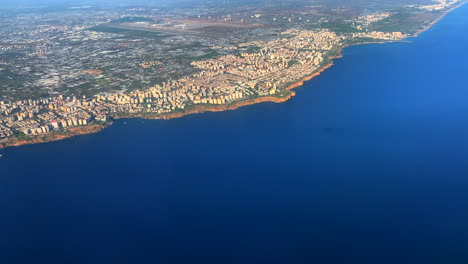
252, 93
282, 93
405, 21
107, 29
361, 40
129, 33
101, 82
253, 49
21, 136
9, 78
11, 55
131, 19
210, 55
192, 46
292, 62
339, 27
101, 123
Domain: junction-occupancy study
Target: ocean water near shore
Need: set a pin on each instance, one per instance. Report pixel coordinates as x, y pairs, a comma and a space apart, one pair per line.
367, 164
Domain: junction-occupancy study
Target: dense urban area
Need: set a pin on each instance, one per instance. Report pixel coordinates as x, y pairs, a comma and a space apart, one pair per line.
82, 66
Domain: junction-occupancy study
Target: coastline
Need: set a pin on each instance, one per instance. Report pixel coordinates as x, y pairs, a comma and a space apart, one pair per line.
72, 132
273, 99
198, 109
438, 19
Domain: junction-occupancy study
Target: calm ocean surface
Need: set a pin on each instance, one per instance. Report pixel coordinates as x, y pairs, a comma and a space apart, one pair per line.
367, 164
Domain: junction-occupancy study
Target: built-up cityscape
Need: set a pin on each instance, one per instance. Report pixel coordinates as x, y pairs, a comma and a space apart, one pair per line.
85, 66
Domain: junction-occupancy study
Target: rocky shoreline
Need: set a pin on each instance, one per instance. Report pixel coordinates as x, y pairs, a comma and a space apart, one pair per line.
95, 128
55, 136
274, 99
198, 109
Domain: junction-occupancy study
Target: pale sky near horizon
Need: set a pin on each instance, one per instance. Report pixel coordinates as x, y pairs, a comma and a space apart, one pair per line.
71, 2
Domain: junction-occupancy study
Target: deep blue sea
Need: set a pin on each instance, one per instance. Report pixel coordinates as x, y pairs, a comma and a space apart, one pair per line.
367, 164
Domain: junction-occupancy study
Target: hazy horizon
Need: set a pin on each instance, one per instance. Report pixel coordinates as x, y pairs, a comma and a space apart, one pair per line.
42, 3
51, 3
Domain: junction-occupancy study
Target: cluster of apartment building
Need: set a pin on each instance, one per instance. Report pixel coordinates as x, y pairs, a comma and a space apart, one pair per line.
364, 21
222, 80
35, 117
380, 35
439, 5
231, 78
5, 131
